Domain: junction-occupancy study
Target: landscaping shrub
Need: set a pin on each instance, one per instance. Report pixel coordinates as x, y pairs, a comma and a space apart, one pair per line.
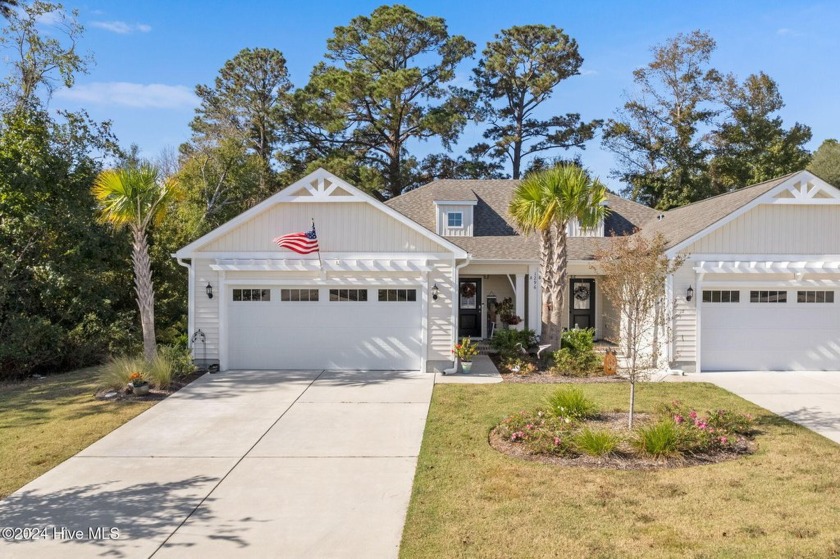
180, 359
518, 365
709, 432
117, 372
506, 341
658, 440
596, 442
539, 432
576, 356
571, 404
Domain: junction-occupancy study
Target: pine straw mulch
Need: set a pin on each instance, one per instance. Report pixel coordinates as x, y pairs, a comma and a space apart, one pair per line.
126, 395
625, 457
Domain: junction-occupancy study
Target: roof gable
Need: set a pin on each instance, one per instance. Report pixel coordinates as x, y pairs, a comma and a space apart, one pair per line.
685, 225
318, 187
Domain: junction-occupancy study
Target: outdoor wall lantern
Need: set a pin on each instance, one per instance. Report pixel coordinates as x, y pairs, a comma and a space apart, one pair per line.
435, 292
689, 293
209, 291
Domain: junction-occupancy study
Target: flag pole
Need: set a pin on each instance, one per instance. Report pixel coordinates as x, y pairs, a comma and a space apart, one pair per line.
320, 264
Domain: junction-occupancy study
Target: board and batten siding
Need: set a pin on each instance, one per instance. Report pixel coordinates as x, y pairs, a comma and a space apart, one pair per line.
776, 229
685, 317
440, 335
443, 228
206, 310
363, 229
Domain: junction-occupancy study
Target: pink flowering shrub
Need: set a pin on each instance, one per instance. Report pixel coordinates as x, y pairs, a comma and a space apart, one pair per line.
698, 433
539, 432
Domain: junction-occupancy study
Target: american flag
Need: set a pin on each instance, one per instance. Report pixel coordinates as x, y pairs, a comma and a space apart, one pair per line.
305, 242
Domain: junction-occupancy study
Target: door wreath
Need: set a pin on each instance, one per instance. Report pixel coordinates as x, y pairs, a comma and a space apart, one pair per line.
468, 290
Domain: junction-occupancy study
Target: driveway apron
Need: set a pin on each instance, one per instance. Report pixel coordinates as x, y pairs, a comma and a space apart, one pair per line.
240, 464
809, 398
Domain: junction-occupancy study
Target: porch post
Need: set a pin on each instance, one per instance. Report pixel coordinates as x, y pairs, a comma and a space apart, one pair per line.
519, 300
534, 306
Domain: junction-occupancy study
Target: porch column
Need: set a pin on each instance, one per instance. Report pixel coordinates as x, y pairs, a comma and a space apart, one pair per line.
519, 304
534, 307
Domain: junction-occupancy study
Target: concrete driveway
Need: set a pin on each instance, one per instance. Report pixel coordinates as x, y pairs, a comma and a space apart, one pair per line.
809, 398
239, 464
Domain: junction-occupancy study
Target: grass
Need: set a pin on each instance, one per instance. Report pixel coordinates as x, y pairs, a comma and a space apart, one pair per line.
596, 442
470, 501
659, 439
44, 422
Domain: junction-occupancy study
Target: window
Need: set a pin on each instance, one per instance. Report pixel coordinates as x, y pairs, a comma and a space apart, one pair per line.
359, 295
455, 219
297, 295
721, 296
768, 296
814, 296
252, 295
397, 295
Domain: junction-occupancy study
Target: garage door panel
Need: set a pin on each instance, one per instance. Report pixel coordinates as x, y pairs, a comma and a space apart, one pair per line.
770, 336
324, 334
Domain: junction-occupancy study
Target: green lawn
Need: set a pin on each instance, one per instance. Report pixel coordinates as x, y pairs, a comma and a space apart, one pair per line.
471, 501
44, 422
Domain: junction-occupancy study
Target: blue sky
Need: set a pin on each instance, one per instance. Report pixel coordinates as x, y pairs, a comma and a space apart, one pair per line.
150, 55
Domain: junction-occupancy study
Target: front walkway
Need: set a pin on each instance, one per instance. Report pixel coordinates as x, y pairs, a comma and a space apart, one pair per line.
809, 398
239, 464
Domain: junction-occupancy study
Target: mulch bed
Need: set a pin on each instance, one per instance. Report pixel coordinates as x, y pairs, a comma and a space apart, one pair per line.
545, 377
623, 458
125, 395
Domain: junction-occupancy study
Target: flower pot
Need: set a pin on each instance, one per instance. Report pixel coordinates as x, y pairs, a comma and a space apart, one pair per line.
466, 366
141, 390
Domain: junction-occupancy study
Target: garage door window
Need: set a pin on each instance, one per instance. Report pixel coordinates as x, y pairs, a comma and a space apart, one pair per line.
397, 295
298, 295
721, 296
355, 295
252, 295
814, 296
768, 296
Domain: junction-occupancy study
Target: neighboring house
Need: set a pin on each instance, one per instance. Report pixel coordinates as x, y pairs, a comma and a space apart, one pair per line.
397, 283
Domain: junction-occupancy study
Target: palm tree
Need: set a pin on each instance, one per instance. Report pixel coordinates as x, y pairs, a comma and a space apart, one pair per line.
136, 198
547, 202
530, 210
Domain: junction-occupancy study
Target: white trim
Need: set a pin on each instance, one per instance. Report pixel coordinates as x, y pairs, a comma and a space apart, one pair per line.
767, 267
789, 284
424, 321
519, 299
315, 281
766, 198
763, 257
459, 213
328, 265
698, 313
289, 194
223, 334
534, 305
256, 255
456, 202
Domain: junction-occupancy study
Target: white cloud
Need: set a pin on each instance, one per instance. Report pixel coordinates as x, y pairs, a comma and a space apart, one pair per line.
587, 72
787, 32
136, 95
121, 27
50, 19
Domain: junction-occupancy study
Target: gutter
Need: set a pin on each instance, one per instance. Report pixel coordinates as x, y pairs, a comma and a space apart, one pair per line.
455, 278
190, 294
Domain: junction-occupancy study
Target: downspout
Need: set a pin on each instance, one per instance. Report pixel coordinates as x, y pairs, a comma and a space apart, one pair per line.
455, 279
190, 294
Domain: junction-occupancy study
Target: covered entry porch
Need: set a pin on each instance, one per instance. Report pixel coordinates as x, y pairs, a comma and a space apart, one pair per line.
488, 292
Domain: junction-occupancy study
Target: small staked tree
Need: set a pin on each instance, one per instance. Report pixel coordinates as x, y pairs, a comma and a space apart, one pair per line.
635, 271
136, 198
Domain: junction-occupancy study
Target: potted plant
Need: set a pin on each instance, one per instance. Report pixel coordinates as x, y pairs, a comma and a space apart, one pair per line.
138, 385
505, 312
464, 352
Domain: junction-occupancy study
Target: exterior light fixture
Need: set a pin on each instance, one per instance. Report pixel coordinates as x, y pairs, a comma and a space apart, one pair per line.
689, 293
435, 292
209, 291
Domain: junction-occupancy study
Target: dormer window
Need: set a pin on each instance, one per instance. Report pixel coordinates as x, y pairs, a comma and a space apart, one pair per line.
455, 217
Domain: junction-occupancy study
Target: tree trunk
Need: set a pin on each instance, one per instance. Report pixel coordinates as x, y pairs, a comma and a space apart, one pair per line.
145, 290
546, 264
558, 285
632, 404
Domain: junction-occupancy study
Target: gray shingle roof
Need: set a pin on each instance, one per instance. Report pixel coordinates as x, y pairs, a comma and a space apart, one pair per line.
684, 222
494, 236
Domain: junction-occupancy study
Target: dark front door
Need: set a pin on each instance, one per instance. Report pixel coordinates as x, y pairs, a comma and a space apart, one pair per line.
582, 303
469, 308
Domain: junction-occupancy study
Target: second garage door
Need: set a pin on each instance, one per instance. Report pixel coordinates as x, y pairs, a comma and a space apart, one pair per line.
303, 327
769, 329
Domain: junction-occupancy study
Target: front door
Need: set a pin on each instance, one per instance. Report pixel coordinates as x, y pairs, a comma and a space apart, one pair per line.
582, 308
469, 308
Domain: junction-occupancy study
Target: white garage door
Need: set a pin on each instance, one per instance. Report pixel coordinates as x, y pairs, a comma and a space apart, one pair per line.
324, 328
770, 329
